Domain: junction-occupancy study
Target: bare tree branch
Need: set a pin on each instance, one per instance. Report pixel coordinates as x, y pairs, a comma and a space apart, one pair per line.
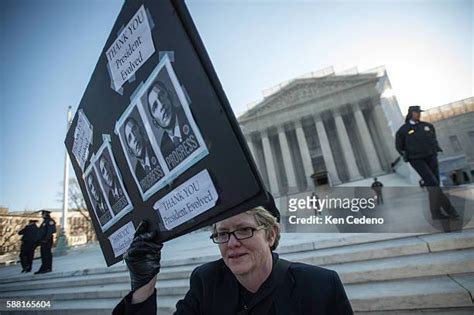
77, 203
76, 199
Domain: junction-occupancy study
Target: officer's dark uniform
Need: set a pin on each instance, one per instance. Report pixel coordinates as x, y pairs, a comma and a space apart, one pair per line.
47, 229
28, 244
418, 145
377, 187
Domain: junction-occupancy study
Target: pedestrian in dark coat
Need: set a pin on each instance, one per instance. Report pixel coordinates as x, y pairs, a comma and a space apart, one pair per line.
29, 239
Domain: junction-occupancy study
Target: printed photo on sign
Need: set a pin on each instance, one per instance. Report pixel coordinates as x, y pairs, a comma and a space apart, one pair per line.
97, 199
111, 181
141, 157
165, 107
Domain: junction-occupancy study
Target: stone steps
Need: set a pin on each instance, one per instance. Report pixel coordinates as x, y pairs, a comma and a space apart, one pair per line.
406, 294
449, 262
293, 242
426, 295
289, 246
382, 249
347, 260
381, 272
64, 282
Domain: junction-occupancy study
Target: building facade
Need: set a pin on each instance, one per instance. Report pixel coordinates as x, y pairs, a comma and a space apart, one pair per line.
454, 125
326, 128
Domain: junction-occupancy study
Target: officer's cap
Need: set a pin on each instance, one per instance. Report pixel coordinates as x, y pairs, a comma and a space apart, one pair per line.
45, 212
415, 109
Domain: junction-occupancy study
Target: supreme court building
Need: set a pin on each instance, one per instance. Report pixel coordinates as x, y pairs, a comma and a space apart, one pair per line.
326, 128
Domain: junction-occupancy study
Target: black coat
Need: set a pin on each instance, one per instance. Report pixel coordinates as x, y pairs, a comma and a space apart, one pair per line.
215, 290
47, 229
30, 233
417, 141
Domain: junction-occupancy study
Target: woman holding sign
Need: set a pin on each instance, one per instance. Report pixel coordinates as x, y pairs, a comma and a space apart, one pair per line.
248, 279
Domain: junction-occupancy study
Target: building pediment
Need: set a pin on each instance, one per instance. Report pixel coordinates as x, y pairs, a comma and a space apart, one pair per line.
303, 90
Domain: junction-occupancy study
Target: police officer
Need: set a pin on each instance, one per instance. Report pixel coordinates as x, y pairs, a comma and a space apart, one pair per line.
417, 144
28, 244
47, 229
377, 188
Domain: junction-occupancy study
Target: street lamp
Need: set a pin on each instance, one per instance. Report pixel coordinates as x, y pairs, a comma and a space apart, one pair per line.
62, 239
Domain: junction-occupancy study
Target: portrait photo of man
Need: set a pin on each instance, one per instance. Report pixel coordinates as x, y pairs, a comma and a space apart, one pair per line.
168, 115
141, 157
97, 199
172, 126
111, 182
158, 133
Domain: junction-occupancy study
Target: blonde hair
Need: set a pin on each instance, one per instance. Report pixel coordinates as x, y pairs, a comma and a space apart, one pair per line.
263, 217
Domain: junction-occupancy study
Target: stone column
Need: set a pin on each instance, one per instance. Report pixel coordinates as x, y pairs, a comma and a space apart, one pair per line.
347, 151
327, 153
267, 152
251, 147
285, 152
367, 143
305, 156
387, 135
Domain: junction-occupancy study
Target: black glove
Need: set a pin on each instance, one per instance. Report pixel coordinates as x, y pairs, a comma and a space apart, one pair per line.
143, 256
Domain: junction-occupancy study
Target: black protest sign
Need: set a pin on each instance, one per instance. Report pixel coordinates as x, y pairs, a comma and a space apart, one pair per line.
154, 137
